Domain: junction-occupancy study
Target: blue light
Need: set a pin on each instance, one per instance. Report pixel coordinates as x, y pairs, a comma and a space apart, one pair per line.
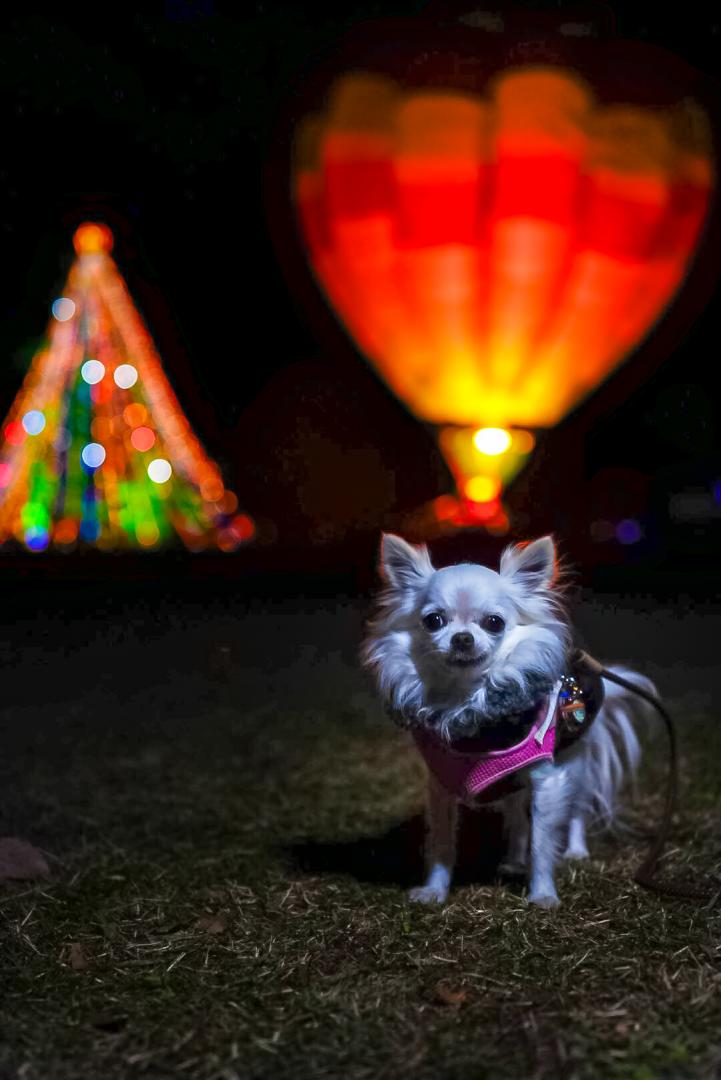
628, 531
37, 538
716, 489
90, 530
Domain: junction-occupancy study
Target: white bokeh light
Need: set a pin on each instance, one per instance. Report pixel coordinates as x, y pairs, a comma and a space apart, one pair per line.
63, 308
159, 470
492, 441
93, 455
34, 421
125, 376
92, 371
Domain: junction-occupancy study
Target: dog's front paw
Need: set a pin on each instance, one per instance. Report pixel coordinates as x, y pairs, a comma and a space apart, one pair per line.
544, 899
576, 852
428, 894
576, 846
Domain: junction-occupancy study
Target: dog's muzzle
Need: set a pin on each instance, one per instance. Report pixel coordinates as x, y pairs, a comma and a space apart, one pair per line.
463, 660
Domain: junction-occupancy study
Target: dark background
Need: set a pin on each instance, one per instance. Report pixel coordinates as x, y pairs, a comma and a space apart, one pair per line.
164, 120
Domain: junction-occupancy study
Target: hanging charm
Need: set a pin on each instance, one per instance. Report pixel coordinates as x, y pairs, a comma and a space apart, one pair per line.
571, 702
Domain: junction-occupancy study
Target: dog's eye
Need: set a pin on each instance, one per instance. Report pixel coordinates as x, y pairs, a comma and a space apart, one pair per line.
493, 624
434, 621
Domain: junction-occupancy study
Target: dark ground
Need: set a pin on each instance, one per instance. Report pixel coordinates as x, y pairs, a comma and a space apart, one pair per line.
231, 823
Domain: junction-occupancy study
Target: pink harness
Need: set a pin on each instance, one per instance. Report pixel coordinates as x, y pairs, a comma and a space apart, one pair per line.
466, 769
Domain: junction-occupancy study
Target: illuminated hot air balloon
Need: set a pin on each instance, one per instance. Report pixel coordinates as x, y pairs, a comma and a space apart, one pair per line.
497, 255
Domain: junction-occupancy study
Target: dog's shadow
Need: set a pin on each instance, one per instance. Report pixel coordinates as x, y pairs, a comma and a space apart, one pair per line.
395, 857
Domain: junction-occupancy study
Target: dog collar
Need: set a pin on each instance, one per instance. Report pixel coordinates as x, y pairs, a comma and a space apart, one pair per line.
467, 769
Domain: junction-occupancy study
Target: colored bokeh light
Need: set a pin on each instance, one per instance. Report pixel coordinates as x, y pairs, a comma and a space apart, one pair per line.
229, 503
147, 533
483, 488
89, 530
445, 508
15, 433
37, 538
93, 238
143, 438
135, 414
482, 511
73, 465
101, 429
63, 309
628, 531
523, 442
243, 527
66, 531
212, 490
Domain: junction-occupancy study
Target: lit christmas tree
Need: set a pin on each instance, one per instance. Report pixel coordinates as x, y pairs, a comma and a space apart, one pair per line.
96, 451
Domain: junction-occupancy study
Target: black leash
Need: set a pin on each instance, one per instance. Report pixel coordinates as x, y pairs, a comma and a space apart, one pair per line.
647, 873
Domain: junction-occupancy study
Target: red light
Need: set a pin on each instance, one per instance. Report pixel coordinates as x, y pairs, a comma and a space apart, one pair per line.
15, 433
143, 438
445, 507
243, 527
482, 511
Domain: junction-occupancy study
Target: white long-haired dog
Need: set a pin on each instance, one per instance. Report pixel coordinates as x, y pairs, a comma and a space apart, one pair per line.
463, 652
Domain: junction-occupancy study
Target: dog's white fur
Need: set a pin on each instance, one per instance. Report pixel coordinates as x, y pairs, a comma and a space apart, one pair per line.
518, 631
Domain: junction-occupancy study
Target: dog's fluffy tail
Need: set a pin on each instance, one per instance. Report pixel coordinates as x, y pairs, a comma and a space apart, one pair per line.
612, 750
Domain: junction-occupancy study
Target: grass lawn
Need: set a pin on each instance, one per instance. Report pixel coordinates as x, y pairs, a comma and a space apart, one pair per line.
232, 824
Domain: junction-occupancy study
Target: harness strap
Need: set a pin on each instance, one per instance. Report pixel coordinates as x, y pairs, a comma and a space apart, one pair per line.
647, 873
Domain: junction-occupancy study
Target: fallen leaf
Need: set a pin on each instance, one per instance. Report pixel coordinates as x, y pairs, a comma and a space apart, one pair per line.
78, 959
20, 861
448, 996
213, 924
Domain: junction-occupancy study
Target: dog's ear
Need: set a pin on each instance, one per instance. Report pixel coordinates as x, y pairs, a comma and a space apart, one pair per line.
531, 565
402, 565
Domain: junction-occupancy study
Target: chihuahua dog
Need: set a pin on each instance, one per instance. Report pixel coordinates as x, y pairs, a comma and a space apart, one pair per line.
464, 656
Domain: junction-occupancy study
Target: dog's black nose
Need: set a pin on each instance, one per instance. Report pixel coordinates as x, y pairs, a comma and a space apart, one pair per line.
464, 640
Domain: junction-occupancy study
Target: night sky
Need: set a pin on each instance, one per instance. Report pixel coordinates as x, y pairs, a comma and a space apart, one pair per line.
162, 120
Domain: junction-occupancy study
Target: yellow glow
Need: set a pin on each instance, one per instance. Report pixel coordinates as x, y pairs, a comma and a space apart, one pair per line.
483, 488
492, 441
